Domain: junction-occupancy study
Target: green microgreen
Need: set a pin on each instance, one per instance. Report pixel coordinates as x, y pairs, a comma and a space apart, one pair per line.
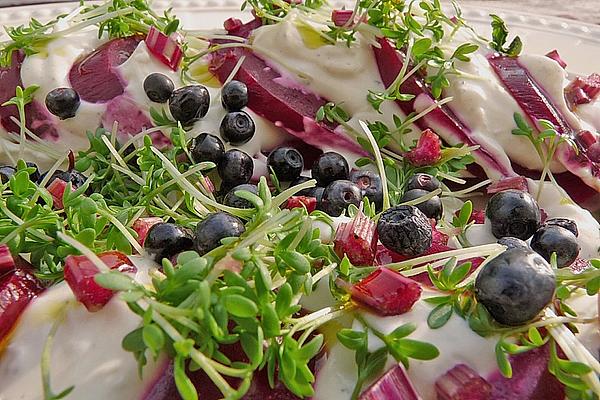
500, 36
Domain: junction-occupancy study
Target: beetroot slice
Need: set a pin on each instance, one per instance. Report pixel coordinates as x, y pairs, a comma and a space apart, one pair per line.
288, 107
16, 291
449, 126
37, 118
531, 379
536, 104
94, 76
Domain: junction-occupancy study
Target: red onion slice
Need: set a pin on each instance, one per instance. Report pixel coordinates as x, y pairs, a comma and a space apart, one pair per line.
393, 385
166, 48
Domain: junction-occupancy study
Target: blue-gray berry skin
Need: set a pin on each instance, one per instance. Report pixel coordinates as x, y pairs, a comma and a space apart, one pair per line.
165, 240
370, 186
405, 230
432, 208
286, 162
158, 87
63, 102
338, 195
234, 96
237, 127
513, 243
513, 213
189, 103
556, 239
215, 227
423, 181
232, 200
515, 286
236, 167
329, 167
566, 223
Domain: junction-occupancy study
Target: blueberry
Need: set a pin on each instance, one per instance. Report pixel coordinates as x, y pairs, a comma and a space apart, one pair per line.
556, 239
513, 213
286, 162
432, 208
515, 286
234, 96
303, 192
405, 230
370, 186
214, 228
235, 168
566, 223
513, 243
317, 193
232, 200
165, 240
76, 178
6, 171
424, 182
35, 175
158, 87
338, 195
206, 147
237, 127
63, 102
189, 103
329, 167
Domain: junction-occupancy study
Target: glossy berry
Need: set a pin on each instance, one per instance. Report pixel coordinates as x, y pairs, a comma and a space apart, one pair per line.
35, 175
76, 178
63, 102
515, 286
405, 230
423, 181
232, 200
234, 96
566, 223
214, 228
329, 167
317, 193
513, 213
287, 163
165, 240
158, 87
235, 168
237, 127
556, 239
513, 243
206, 147
6, 172
338, 195
370, 186
432, 208
303, 192
189, 103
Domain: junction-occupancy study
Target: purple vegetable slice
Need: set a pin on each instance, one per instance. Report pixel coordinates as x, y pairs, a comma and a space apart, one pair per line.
288, 107
394, 384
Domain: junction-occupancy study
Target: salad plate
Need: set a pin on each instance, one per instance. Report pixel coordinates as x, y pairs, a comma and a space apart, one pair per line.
298, 199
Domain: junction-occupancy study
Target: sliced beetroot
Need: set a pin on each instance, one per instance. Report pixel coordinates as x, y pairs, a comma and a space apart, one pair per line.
279, 99
387, 292
80, 272
441, 119
7, 262
357, 240
477, 216
394, 384
94, 76
537, 105
308, 202
461, 382
37, 117
531, 379
16, 291
583, 90
556, 57
57, 190
517, 183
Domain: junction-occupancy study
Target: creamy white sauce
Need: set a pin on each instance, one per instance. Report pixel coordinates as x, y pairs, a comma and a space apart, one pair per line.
86, 351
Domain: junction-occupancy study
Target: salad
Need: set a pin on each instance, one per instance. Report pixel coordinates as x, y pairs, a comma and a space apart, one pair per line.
374, 202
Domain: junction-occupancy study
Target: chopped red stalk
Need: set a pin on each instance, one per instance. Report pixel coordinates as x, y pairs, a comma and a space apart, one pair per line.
357, 239
79, 274
462, 383
142, 225
387, 292
586, 138
556, 57
166, 48
517, 182
16, 291
232, 24
341, 17
477, 216
583, 90
57, 190
302, 201
393, 385
427, 151
208, 184
7, 263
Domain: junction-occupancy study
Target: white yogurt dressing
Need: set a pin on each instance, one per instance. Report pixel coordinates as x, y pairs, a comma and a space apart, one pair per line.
86, 352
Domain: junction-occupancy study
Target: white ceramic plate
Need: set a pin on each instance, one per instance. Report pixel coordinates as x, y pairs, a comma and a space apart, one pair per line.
576, 41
